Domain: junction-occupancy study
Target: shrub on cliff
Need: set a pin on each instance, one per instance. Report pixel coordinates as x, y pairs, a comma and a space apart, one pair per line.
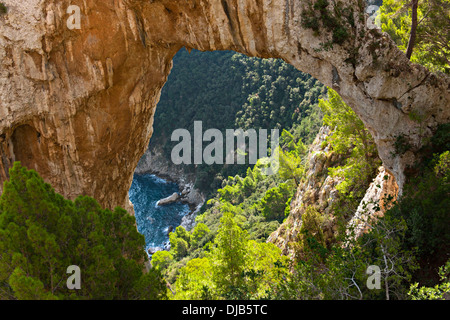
42, 234
425, 207
3, 8
235, 267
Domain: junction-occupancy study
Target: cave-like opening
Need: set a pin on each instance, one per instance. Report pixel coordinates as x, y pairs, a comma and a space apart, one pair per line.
222, 90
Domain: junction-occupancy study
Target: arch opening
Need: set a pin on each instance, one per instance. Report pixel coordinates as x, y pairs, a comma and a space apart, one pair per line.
111, 72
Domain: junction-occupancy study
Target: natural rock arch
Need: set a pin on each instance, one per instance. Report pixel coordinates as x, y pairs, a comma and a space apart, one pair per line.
78, 105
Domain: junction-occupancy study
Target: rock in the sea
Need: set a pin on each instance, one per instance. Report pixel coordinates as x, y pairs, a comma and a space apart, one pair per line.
152, 250
170, 199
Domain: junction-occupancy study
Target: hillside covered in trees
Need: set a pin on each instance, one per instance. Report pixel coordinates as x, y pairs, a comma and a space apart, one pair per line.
226, 255
226, 90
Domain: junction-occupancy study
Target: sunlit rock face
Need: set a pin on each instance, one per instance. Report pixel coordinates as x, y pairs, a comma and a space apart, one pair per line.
77, 105
317, 190
379, 197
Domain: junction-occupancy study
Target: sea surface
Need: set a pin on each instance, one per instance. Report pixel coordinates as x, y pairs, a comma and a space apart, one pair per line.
154, 221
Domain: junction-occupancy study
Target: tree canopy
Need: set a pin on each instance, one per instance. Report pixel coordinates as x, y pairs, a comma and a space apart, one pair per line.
429, 21
42, 234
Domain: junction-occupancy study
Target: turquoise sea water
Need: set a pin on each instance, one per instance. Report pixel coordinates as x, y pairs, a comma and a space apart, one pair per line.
154, 221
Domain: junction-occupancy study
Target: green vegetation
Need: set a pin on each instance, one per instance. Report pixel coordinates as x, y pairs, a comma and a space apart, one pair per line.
3, 8
401, 245
424, 207
333, 17
275, 202
225, 256
41, 234
235, 267
292, 153
352, 141
223, 261
430, 45
408, 243
401, 144
339, 271
438, 292
226, 90
255, 205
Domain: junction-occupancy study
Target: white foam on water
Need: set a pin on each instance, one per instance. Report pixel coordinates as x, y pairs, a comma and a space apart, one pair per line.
158, 179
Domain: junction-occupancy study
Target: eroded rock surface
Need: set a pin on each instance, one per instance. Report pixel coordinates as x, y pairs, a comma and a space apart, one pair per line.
317, 190
170, 199
379, 197
77, 105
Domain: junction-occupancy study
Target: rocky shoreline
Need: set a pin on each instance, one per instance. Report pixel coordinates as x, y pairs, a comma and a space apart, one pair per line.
153, 162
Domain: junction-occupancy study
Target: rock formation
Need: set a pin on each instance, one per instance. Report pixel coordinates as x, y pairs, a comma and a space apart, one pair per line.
375, 202
317, 190
154, 162
170, 199
77, 105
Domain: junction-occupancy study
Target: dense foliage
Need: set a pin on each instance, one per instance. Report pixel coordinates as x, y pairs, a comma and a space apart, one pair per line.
225, 256
226, 90
234, 268
353, 142
42, 234
424, 206
252, 206
432, 44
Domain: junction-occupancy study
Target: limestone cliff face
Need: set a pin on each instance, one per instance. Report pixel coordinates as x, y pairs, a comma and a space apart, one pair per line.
375, 202
77, 105
318, 190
